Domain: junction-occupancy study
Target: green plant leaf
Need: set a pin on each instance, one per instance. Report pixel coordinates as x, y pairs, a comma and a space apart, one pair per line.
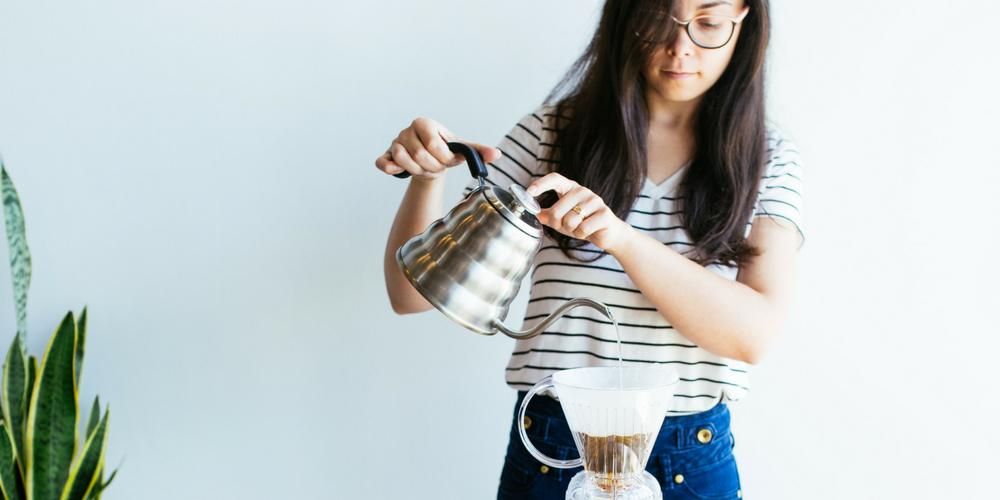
29, 390
81, 338
8, 468
95, 494
52, 416
15, 375
85, 472
95, 415
19, 477
32, 375
20, 257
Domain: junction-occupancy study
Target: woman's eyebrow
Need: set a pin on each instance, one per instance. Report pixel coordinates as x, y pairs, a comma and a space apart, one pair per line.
709, 5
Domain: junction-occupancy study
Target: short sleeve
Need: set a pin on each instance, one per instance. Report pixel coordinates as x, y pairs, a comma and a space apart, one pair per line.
782, 187
527, 153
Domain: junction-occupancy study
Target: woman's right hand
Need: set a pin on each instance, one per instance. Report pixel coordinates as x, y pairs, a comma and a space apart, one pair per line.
422, 150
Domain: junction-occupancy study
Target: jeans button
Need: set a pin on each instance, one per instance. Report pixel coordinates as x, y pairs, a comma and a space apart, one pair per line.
527, 422
678, 479
704, 436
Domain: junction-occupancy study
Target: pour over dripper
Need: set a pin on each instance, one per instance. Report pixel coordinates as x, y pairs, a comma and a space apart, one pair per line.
614, 415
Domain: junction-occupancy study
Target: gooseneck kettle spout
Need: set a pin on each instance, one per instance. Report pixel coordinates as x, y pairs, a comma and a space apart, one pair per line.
558, 313
470, 264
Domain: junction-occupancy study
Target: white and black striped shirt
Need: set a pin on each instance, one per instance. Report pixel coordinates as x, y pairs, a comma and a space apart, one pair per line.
585, 338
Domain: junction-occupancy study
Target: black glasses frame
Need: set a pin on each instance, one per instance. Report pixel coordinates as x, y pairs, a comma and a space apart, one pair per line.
687, 27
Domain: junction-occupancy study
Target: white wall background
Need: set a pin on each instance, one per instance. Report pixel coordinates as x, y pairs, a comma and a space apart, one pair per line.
201, 175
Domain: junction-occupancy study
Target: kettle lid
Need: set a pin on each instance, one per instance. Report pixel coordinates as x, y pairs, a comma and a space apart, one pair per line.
518, 207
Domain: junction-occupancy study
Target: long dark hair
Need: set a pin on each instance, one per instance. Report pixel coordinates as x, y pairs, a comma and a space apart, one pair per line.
602, 120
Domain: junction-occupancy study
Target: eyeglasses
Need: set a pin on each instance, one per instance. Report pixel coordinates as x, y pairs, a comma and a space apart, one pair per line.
711, 31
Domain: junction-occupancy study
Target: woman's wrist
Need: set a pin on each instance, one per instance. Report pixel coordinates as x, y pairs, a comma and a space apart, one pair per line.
626, 236
424, 182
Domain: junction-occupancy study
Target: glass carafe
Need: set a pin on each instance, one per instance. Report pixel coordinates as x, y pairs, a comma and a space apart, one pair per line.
614, 415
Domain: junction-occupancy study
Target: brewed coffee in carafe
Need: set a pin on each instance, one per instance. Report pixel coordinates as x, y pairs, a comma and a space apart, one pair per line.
614, 415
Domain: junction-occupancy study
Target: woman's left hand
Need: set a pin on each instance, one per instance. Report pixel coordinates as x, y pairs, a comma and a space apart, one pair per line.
580, 213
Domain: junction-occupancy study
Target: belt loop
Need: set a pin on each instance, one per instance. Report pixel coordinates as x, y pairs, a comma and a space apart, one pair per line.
664, 478
539, 425
683, 434
543, 429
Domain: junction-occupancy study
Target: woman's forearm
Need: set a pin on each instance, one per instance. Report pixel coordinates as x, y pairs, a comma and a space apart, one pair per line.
725, 317
422, 204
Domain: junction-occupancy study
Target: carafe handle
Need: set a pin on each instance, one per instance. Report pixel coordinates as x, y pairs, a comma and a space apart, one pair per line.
476, 166
543, 384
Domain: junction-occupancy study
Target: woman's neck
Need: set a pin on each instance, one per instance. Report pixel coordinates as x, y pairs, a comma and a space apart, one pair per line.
670, 137
672, 115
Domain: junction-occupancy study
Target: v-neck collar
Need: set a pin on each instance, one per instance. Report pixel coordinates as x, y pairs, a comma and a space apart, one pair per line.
665, 187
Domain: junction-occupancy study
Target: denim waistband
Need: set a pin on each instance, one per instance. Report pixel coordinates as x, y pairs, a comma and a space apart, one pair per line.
677, 433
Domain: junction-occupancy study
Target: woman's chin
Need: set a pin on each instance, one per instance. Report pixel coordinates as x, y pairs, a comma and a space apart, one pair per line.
677, 94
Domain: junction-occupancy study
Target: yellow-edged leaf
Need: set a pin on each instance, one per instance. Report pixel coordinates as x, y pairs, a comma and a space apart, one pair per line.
85, 473
52, 417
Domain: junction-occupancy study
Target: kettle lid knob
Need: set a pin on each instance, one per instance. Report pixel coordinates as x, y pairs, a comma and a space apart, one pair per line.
524, 202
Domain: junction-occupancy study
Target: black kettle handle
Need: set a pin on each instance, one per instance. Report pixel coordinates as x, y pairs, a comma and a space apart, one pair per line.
476, 166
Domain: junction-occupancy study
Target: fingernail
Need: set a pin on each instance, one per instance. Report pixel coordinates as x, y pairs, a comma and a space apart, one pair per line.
532, 190
500, 153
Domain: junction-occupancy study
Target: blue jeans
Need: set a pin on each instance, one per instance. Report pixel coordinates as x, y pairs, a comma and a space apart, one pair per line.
684, 466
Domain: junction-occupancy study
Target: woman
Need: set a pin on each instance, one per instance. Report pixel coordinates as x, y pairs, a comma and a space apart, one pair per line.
676, 206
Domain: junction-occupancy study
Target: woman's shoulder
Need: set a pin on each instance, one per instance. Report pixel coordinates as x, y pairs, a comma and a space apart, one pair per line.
782, 188
528, 149
781, 151
546, 118
535, 135
535, 127
551, 112
783, 157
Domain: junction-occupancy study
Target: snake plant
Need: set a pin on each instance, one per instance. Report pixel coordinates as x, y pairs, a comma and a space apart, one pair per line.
39, 438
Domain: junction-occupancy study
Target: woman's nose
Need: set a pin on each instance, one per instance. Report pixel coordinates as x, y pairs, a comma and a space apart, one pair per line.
681, 45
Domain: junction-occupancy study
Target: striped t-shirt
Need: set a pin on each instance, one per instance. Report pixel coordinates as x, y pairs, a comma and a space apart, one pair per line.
583, 337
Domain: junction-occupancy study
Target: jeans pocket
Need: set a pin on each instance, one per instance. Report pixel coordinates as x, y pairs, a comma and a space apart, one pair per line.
516, 480
522, 473
718, 481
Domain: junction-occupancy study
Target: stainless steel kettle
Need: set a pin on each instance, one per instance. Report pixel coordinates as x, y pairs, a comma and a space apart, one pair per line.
470, 263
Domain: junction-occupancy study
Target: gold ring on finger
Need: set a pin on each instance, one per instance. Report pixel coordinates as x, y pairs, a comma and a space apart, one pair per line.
578, 210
